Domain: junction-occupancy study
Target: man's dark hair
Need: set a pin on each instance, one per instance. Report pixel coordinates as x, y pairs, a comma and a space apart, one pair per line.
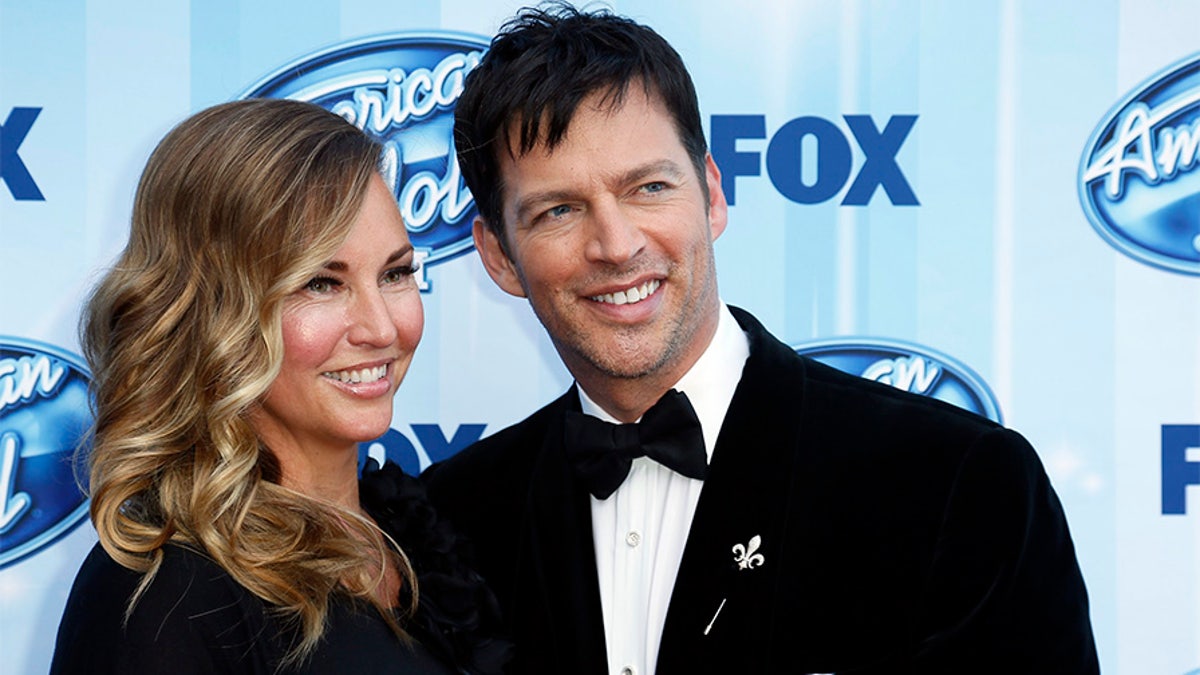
540, 66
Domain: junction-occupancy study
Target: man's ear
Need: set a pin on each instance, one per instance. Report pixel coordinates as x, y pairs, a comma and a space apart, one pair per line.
495, 260
718, 209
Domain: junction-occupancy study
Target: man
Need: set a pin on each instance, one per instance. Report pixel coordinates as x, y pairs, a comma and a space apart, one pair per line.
822, 523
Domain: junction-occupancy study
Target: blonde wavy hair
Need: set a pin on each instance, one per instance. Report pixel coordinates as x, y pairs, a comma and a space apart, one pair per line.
238, 206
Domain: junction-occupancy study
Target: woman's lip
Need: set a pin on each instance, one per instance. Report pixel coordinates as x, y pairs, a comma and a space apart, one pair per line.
367, 389
365, 373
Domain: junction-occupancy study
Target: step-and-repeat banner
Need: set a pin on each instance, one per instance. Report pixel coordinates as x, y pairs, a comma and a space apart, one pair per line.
994, 203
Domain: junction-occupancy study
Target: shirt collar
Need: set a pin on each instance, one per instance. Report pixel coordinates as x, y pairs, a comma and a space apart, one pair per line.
709, 383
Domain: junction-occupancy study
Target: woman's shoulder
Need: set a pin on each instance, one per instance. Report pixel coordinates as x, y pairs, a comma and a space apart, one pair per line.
193, 617
190, 588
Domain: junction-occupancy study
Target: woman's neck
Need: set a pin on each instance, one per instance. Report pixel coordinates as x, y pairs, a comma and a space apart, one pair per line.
329, 478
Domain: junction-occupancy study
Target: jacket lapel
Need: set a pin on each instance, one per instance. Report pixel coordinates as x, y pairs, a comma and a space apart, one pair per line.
720, 616
564, 592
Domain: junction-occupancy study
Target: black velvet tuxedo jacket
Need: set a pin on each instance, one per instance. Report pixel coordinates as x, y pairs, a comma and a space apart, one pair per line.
898, 535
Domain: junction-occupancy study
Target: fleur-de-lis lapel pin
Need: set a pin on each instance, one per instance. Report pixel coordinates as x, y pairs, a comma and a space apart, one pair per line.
745, 554
747, 557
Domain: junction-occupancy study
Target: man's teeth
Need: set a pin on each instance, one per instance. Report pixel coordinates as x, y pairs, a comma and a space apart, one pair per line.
630, 295
358, 376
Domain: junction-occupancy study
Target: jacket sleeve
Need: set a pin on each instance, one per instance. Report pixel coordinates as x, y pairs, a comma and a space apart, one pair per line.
1004, 590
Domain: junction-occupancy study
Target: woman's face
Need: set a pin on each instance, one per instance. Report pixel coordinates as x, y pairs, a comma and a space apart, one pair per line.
348, 337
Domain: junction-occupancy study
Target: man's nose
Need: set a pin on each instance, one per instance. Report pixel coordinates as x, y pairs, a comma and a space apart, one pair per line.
615, 236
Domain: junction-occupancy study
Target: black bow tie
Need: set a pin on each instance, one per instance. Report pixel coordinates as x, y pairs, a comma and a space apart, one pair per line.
669, 433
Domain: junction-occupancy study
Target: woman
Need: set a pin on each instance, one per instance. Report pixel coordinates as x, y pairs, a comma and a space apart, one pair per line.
252, 333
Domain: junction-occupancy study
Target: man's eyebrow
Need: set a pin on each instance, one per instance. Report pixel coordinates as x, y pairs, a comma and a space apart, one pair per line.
665, 167
533, 200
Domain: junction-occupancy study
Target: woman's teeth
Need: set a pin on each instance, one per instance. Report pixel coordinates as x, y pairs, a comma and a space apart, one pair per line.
358, 376
631, 295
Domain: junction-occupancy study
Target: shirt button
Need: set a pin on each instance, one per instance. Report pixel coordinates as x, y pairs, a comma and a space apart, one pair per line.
633, 539
628, 670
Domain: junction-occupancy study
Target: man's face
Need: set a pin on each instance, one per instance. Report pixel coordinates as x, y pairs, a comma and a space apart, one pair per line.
610, 237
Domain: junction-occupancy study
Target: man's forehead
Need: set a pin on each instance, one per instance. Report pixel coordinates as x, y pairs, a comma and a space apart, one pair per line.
552, 125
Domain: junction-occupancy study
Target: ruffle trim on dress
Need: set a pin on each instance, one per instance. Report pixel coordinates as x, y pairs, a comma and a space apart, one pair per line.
457, 617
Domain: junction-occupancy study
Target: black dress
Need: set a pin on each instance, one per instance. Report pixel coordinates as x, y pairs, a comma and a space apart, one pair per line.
195, 618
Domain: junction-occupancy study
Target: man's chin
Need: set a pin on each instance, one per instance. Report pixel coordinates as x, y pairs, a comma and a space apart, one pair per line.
628, 364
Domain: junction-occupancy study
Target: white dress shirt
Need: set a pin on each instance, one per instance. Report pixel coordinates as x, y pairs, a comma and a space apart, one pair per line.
640, 530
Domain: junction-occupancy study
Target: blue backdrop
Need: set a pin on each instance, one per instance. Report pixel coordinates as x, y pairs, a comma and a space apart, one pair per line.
989, 202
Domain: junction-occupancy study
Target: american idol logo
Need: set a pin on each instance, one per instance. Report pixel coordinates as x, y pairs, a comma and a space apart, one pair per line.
909, 367
400, 89
44, 416
1137, 181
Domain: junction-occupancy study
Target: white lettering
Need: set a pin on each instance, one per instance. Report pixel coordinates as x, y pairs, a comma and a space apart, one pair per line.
420, 255
407, 96
1134, 148
425, 195
911, 373
12, 506
29, 376
1177, 148
418, 93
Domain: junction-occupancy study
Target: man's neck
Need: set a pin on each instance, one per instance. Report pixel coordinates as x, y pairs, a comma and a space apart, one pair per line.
627, 399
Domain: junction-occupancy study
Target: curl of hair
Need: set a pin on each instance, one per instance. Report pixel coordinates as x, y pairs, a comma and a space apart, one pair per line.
237, 207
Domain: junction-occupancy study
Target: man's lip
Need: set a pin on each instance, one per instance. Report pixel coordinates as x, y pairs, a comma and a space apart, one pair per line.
624, 286
629, 305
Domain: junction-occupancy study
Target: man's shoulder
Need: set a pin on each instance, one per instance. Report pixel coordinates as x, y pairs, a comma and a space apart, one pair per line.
500, 460
523, 437
843, 414
777, 370
829, 391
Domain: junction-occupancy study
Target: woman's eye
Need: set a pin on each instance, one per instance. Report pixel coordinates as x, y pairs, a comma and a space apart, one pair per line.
321, 285
401, 273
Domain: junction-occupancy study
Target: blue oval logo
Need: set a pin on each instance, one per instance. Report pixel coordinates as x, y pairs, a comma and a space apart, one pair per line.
400, 89
1136, 182
907, 366
44, 416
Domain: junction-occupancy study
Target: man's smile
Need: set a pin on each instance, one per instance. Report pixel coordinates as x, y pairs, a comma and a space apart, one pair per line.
630, 295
